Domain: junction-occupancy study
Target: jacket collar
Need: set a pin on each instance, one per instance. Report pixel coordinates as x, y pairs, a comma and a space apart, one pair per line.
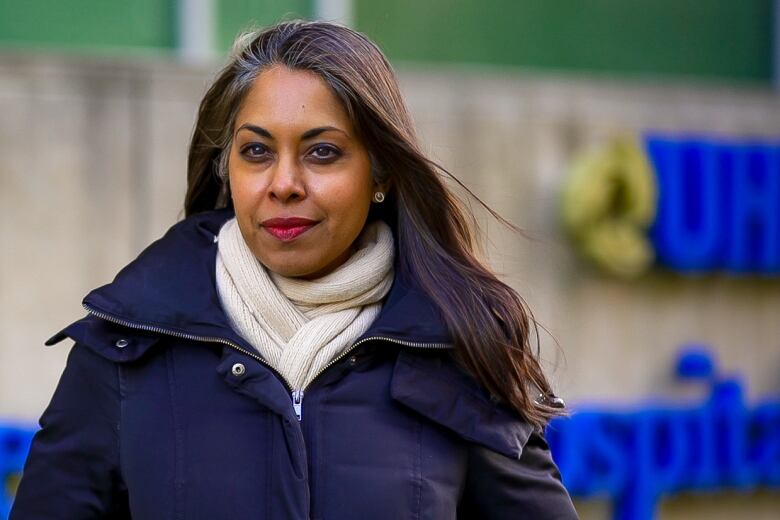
171, 288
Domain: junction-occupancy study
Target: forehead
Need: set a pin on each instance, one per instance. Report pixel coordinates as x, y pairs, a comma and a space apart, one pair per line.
283, 96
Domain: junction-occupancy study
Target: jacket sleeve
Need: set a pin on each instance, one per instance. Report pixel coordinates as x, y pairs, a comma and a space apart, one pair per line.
499, 487
72, 470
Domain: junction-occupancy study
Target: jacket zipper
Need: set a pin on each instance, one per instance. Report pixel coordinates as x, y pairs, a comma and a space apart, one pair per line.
296, 394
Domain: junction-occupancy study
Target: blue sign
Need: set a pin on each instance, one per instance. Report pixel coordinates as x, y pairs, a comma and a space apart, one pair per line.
14, 444
635, 456
719, 204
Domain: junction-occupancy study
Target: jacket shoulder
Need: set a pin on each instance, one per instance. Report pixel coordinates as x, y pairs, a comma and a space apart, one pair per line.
434, 386
171, 275
106, 339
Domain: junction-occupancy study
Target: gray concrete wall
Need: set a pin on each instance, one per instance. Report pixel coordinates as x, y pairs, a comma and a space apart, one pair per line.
512, 138
92, 168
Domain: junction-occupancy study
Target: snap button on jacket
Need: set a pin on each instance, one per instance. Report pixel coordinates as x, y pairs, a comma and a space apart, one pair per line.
164, 412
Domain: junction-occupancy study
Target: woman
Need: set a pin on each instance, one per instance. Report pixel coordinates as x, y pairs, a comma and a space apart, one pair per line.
315, 340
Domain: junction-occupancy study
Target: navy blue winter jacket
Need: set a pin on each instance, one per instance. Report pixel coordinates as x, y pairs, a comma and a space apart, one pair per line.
164, 412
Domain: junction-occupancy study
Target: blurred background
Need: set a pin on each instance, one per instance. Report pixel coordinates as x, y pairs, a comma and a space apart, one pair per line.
635, 141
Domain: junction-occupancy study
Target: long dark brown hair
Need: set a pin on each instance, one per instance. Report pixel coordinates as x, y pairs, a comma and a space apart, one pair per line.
435, 236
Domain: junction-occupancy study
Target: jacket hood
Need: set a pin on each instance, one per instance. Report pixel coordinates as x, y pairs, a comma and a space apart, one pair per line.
171, 286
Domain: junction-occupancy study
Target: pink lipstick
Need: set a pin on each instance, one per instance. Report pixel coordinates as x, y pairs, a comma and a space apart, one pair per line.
287, 228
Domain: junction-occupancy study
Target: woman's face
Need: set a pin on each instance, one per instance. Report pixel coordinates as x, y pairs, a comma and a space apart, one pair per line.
300, 178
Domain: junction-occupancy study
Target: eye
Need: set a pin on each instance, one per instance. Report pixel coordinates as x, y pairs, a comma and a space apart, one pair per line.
254, 151
325, 153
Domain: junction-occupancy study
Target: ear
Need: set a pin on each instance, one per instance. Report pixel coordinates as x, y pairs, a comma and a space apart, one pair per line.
379, 175
384, 187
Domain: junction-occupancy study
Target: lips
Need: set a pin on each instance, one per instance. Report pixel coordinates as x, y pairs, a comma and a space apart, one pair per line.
287, 228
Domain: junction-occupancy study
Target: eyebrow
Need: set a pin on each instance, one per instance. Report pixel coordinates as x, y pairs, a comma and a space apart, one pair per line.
308, 134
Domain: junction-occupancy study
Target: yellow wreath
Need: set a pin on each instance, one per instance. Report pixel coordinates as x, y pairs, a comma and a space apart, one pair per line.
608, 202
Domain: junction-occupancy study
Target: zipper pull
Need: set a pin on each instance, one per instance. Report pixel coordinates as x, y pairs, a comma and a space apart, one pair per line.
297, 401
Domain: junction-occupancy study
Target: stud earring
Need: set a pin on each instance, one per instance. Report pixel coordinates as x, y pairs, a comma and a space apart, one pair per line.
379, 197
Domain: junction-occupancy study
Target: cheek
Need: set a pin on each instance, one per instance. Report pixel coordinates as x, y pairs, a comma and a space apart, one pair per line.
243, 196
244, 190
349, 204
244, 207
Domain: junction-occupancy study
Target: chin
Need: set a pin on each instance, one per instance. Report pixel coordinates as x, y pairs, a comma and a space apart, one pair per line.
294, 265
288, 269
292, 273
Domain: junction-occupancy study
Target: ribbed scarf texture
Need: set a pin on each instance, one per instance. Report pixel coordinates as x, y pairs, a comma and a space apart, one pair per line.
298, 326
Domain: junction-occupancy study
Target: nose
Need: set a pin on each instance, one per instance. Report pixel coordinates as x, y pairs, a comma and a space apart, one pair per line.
286, 183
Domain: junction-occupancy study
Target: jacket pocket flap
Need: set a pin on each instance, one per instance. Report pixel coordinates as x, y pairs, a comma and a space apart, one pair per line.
440, 391
111, 341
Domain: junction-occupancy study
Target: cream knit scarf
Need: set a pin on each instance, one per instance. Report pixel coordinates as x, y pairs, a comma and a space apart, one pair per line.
298, 326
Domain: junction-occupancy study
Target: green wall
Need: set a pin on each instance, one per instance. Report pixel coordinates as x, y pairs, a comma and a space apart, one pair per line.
710, 38
729, 39
236, 15
131, 25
